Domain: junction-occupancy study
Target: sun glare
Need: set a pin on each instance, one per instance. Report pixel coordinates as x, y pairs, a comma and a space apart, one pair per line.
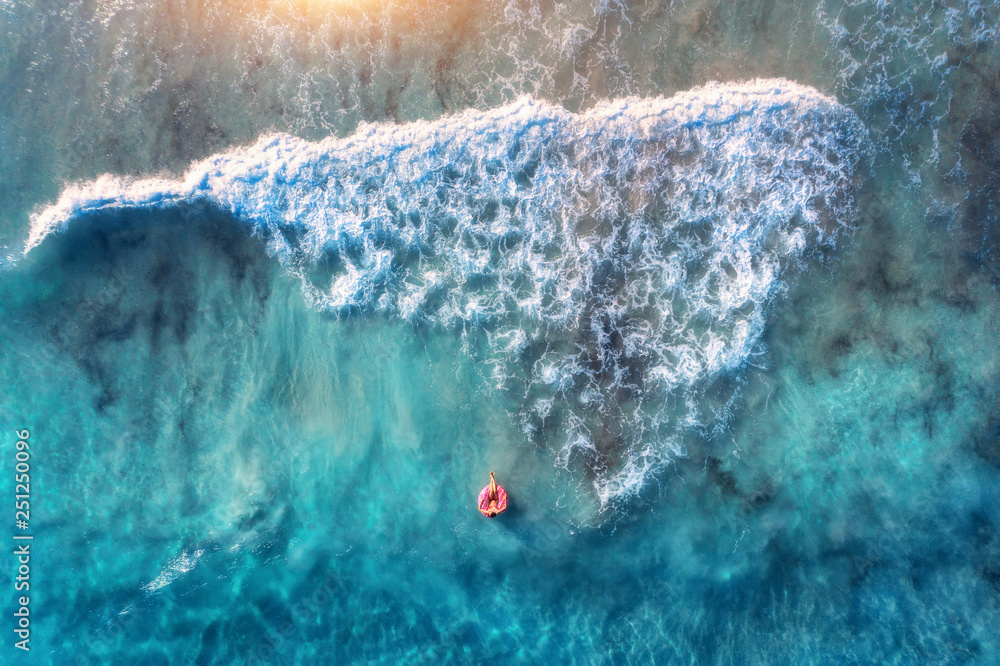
328, 6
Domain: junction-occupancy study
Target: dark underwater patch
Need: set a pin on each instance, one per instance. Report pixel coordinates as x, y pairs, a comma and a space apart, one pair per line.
133, 282
979, 150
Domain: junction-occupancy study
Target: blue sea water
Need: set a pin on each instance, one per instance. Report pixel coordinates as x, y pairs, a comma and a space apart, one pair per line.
711, 287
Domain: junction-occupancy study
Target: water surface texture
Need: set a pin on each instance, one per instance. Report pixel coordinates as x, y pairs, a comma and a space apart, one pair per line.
710, 286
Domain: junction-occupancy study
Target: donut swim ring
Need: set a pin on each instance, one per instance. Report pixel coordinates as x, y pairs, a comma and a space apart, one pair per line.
484, 499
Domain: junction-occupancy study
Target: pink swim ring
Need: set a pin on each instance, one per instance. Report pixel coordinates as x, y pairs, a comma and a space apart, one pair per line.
484, 500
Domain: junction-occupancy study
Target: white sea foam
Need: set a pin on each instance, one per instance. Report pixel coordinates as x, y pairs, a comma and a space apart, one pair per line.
176, 568
619, 260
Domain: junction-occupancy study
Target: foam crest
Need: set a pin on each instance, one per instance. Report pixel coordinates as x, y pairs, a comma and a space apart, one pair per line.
176, 568
618, 262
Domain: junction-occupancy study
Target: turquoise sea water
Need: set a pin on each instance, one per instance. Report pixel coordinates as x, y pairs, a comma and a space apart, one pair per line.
710, 286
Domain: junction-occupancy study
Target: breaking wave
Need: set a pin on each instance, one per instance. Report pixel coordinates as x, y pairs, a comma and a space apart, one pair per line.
617, 262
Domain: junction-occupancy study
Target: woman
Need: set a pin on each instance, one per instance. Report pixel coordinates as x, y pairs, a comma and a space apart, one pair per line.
493, 499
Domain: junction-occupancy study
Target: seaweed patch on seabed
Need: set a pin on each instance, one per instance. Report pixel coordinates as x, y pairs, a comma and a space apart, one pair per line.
978, 147
130, 280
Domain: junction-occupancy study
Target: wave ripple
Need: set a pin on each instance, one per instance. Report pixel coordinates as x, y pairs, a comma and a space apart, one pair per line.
618, 261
